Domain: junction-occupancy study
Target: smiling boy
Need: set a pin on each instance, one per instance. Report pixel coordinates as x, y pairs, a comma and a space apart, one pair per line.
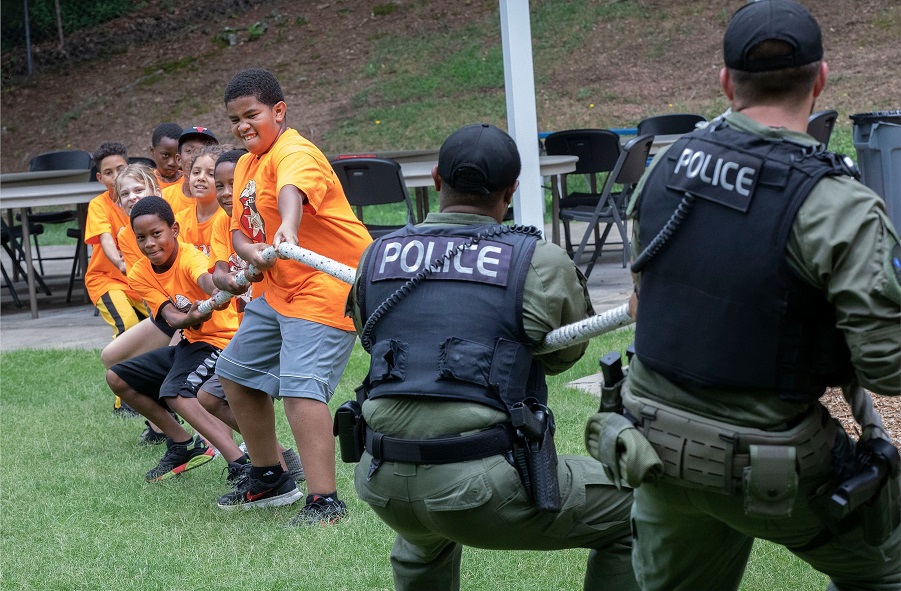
173, 279
294, 340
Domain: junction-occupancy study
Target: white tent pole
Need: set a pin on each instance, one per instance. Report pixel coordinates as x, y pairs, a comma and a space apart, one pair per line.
522, 120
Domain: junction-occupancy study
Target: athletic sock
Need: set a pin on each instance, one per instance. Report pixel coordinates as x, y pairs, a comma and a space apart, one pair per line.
185, 443
267, 474
312, 497
244, 459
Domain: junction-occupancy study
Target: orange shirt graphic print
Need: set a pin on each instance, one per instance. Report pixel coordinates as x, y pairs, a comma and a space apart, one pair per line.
251, 220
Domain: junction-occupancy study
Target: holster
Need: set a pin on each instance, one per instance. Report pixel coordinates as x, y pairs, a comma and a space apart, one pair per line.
534, 453
350, 427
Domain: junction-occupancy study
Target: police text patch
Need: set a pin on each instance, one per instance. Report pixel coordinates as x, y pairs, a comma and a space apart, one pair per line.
402, 258
706, 170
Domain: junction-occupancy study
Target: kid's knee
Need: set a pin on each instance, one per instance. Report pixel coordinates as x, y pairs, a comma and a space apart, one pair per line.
115, 383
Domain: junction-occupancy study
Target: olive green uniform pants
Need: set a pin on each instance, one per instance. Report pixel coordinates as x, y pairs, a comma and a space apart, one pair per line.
438, 509
697, 539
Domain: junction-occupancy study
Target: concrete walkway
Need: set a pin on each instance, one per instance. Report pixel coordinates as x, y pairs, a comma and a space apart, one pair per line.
62, 326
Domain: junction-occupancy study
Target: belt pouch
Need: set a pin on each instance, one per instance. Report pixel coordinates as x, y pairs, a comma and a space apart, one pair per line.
770, 482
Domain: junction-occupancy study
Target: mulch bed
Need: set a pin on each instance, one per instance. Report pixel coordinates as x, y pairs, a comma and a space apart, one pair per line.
888, 407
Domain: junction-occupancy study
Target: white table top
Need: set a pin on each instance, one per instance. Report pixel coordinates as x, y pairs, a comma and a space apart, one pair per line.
42, 177
419, 174
48, 194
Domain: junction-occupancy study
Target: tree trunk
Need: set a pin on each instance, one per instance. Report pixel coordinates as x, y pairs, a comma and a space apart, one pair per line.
59, 26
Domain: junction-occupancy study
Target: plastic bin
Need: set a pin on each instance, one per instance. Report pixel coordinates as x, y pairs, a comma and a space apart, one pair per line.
877, 139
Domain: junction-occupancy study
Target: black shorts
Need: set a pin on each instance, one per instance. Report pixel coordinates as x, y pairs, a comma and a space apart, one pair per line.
170, 371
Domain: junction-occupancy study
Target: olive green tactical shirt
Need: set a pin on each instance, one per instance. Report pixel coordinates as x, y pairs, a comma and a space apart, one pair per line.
841, 243
554, 295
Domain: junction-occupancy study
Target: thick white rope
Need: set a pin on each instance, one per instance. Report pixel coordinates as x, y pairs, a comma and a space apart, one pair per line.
307, 257
578, 332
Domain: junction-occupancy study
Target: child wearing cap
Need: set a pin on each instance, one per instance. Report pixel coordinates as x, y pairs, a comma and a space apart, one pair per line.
190, 142
294, 340
104, 277
164, 153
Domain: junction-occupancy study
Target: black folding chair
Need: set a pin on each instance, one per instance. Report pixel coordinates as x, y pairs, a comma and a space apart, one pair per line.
374, 182
142, 160
611, 207
11, 241
598, 151
670, 124
820, 125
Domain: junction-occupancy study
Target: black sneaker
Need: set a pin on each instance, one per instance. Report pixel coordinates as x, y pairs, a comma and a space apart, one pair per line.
150, 437
238, 475
124, 411
180, 458
259, 494
320, 511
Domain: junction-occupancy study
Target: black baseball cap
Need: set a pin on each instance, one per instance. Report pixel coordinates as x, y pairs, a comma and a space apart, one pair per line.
764, 20
479, 158
200, 133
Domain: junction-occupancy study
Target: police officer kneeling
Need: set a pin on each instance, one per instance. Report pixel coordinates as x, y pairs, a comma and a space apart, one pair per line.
777, 278
459, 440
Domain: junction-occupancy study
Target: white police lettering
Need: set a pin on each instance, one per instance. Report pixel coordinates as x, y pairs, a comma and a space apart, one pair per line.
402, 258
698, 165
713, 172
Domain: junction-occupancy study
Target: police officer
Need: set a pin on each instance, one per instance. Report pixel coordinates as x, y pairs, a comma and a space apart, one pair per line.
451, 363
765, 274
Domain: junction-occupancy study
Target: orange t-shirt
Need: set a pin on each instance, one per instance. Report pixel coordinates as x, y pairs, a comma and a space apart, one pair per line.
190, 231
128, 246
163, 184
221, 250
178, 285
176, 196
328, 226
102, 276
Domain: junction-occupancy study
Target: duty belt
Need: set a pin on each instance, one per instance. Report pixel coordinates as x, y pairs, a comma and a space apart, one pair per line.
704, 453
442, 450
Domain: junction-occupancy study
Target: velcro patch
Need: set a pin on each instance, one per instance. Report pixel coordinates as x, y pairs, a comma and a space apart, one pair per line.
712, 172
486, 261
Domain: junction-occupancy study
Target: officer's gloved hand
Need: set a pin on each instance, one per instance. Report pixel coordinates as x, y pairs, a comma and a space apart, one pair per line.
628, 457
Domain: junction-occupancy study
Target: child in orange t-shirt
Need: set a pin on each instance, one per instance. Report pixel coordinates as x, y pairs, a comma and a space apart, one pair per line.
173, 279
191, 141
104, 277
197, 220
135, 182
223, 257
164, 153
294, 340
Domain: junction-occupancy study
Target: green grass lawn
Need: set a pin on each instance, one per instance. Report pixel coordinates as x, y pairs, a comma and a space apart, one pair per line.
77, 514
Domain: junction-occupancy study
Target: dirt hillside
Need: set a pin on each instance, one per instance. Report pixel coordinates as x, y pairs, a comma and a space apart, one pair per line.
160, 64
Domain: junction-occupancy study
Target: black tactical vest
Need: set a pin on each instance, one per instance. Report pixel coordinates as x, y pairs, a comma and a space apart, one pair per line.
720, 306
456, 332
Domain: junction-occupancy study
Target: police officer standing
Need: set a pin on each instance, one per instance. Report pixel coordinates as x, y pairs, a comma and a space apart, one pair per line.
766, 274
459, 438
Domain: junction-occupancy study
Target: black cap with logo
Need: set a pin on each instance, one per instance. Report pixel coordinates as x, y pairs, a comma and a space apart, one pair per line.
479, 158
199, 133
765, 20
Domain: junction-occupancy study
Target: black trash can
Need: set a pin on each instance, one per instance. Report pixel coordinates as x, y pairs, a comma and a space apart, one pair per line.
877, 139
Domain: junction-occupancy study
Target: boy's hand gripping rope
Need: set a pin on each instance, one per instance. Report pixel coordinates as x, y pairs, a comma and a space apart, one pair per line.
560, 338
307, 257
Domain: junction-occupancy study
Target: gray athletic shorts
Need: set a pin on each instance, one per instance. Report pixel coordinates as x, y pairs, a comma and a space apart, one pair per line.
213, 387
285, 357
